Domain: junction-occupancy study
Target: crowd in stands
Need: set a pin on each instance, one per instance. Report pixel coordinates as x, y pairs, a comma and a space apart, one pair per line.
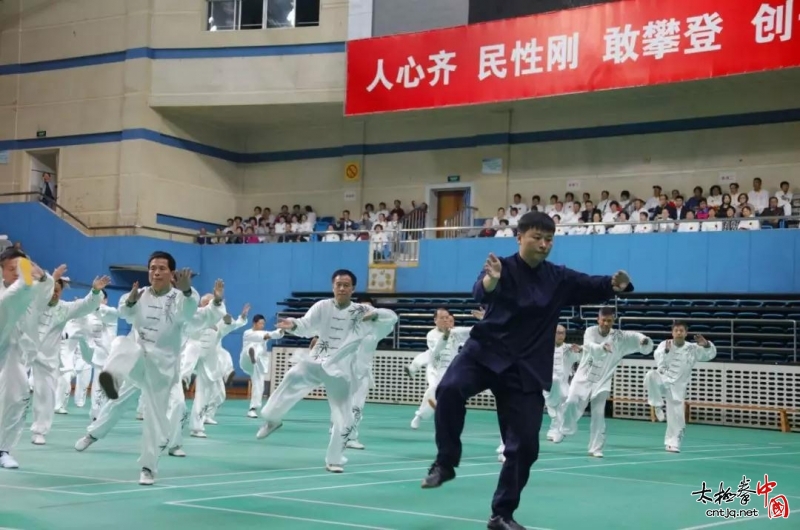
714, 212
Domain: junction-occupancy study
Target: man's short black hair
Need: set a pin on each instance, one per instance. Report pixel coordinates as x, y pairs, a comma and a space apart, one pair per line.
607, 311
258, 318
344, 272
536, 220
160, 254
680, 324
11, 253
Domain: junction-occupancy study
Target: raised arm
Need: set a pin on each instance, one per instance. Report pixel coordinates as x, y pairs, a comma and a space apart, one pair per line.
382, 322
635, 342
225, 328
308, 325
487, 286
127, 303
704, 350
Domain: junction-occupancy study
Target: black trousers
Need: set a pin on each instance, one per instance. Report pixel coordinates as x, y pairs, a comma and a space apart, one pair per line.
519, 414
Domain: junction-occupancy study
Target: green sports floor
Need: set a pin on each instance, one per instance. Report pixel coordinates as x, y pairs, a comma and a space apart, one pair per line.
233, 480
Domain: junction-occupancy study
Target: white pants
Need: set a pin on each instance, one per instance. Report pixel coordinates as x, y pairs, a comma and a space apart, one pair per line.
204, 395
359, 391
83, 378
258, 373
44, 397
425, 410
555, 400
158, 387
113, 410
299, 381
99, 397
657, 393
218, 395
15, 398
579, 398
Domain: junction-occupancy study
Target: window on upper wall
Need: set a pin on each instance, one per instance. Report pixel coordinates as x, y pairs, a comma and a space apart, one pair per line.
261, 14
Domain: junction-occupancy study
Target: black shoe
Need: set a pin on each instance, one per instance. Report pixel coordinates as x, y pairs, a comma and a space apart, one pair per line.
106, 381
503, 523
438, 475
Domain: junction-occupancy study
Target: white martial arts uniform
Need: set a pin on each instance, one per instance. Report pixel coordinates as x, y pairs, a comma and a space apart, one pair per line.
99, 329
149, 359
208, 368
362, 378
259, 370
555, 400
45, 364
592, 381
219, 389
439, 355
341, 331
20, 306
72, 365
668, 383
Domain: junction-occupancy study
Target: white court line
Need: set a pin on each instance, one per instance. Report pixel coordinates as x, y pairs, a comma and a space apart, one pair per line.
43, 490
106, 480
277, 516
387, 510
763, 464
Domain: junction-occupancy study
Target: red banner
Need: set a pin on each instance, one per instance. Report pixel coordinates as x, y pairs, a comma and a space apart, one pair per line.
607, 46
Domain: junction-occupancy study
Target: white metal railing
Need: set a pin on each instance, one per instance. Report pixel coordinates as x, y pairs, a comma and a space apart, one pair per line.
731, 333
453, 228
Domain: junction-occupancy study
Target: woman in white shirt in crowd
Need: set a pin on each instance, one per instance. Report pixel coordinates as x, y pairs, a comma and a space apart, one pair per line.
501, 214
689, 225
331, 235
714, 198
305, 229
280, 229
742, 204
711, 225
622, 217
749, 222
784, 197
644, 227
366, 222
504, 230
379, 243
294, 228
311, 215
561, 230
597, 226
665, 224
262, 230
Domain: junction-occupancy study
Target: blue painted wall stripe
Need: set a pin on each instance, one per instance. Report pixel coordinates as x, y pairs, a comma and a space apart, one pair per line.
173, 53
627, 129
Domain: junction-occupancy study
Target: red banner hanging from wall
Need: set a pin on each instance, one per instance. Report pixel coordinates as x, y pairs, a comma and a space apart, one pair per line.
607, 46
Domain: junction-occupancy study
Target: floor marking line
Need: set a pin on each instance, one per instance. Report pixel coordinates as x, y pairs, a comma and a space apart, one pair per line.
43, 490
720, 523
278, 516
105, 480
373, 508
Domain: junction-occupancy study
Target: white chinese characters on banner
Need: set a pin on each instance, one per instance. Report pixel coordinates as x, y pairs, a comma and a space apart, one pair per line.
660, 37
411, 74
562, 51
771, 22
492, 61
529, 57
530, 54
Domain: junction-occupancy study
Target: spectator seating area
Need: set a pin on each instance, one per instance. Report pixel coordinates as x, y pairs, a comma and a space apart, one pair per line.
749, 329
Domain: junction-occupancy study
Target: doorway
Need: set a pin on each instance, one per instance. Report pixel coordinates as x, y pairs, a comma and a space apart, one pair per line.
44, 176
448, 206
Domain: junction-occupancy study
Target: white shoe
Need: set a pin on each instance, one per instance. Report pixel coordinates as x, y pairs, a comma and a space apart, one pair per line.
557, 438
500, 449
84, 442
672, 449
660, 413
596, 454
334, 468
61, 410
354, 444
267, 429
252, 413
177, 451
37, 439
501, 458
146, 478
209, 421
415, 422
140, 416
199, 434
7, 462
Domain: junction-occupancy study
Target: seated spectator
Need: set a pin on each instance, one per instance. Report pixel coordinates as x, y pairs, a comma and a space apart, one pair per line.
305, 229
665, 218
558, 210
784, 197
366, 222
638, 209
513, 218
611, 213
742, 204
689, 226
730, 222
734, 189
587, 214
220, 238
311, 215
574, 216
714, 198
230, 228
501, 215
487, 230
379, 244
521, 207
552, 206
624, 200
710, 225
702, 209
597, 227
203, 238
569, 198
664, 206
382, 210
758, 197
281, 228
262, 230
346, 224
266, 214
394, 224
694, 201
382, 220
504, 230
350, 236
622, 217
722, 211
605, 203
680, 208
773, 212
535, 206
749, 222
644, 227
250, 236
398, 209
238, 238
561, 230
331, 235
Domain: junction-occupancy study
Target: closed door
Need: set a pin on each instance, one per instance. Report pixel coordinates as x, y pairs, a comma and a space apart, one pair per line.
448, 204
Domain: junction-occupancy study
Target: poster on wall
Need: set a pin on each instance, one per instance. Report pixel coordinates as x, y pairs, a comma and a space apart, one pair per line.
573, 185
4, 157
349, 195
727, 178
492, 166
606, 46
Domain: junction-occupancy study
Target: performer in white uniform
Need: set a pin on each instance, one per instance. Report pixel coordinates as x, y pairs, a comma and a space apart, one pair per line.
254, 360
674, 361
603, 349
219, 389
208, 368
45, 364
20, 304
72, 365
149, 358
362, 378
443, 343
341, 326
